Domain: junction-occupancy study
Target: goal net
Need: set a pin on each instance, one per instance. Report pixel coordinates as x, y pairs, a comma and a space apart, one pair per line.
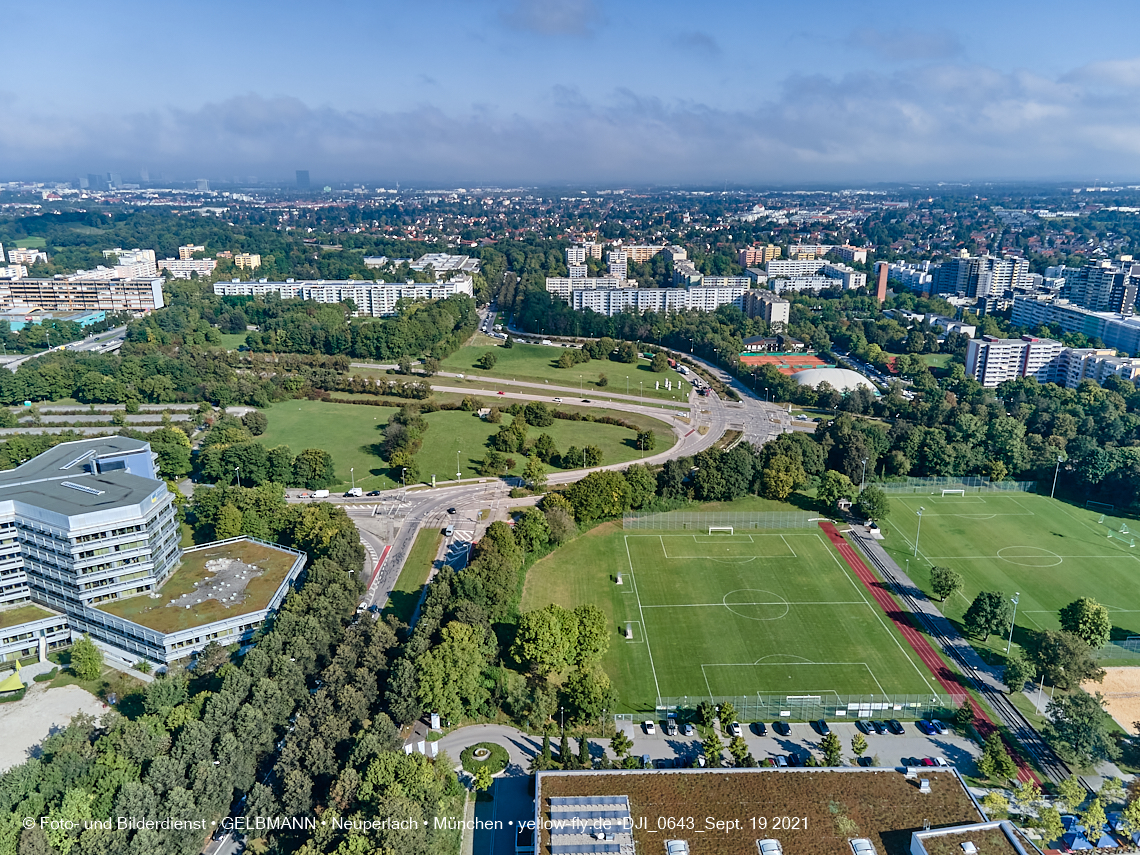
720, 529
953, 493
1099, 506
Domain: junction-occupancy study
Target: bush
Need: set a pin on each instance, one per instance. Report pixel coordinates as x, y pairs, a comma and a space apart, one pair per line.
495, 763
50, 675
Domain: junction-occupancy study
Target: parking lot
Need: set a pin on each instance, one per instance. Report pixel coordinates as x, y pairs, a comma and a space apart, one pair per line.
891, 750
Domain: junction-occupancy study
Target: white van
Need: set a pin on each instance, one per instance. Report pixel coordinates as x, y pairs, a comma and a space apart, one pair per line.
354, 493
320, 494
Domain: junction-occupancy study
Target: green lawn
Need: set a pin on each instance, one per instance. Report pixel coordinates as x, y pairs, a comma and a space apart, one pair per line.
537, 363
31, 243
1049, 552
770, 612
402, 601
937, 360
232, 341
352, 433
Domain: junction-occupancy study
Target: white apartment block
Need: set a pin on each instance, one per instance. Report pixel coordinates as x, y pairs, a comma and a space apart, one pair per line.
378, 299
578, 271
851, 254
20, 255
1121, 332
775, 310
181, 268
726, 281
914, 277
992, 361
575, 255
13, 271
140, 260
562, 286
787, 267
802, 283
618, 262
80, 293
614, 300
187, 252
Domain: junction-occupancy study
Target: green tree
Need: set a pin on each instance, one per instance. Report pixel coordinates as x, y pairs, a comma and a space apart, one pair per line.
646, 440
228, 522
546, 639
1093, 817
660, 363
945, 582
592, 639
532, 530
989, 614
255, 422
86, 659
964, 715
834, 486
487, 361
706, 713
1130, 815
859, 744
599, 495
584, 759
726, 712
483, 779
451, 673
995, 805
873, 504
1079, 723
995, 762
642, 485
1018, 671
621, 744
1072, 792
565, 758
592, 455
832, 750
1049, 823
1027, 797
1064, 660
535, 473
602, 381
1088, 620
313, 469
738, 748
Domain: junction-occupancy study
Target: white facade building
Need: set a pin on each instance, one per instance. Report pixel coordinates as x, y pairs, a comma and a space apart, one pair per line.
612, 301
181, 268
444, 264
378, 299
20, 255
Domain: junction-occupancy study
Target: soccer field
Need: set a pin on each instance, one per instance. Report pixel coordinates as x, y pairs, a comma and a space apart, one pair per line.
768, 612
1050, 552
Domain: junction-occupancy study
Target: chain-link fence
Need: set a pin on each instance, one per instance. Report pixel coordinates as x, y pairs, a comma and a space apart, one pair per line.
969, 483
760, 707
700, 521
1124, 650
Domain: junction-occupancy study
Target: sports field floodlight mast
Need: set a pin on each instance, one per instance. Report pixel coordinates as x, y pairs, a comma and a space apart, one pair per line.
458, 472
1056, 472
917, 533
863, 485
1015, 600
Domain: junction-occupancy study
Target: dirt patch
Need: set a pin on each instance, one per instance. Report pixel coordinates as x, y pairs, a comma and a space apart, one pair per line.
1121, 690
28, 722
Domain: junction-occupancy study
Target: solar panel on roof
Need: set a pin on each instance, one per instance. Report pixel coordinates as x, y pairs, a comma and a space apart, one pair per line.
83, 488
79, 459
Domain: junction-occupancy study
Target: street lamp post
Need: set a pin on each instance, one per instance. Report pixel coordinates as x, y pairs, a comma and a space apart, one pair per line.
627, 387
458, 472
917, 533
581, 391
863, 485
1016, 599
1056, 472
237, 469
765, 394
352, 474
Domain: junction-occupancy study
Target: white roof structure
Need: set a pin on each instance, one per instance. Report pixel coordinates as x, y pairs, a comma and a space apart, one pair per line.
840, 379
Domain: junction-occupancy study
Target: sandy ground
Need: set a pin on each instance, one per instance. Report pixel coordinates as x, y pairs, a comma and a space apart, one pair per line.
28, 722
1119, 683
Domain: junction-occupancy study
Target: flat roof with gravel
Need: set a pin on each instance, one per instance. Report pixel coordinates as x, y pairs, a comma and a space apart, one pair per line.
210, 584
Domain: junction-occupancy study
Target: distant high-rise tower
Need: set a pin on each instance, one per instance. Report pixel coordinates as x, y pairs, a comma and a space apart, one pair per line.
303, 179
881, 289
144, 174
203, 184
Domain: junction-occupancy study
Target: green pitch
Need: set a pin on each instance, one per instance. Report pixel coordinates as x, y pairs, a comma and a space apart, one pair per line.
1050, 552
714, 615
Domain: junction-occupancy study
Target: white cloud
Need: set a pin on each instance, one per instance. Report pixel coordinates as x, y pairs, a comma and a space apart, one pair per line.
950, 121
552, 17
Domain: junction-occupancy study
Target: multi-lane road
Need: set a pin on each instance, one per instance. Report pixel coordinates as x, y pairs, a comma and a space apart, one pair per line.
103, 342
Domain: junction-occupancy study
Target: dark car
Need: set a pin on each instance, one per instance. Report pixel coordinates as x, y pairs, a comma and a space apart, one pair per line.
760, 728
866, 761
781, 727
451, 510
924, 726
822, 727
865, 726
375, 492
880, 727
795, 760
895, 727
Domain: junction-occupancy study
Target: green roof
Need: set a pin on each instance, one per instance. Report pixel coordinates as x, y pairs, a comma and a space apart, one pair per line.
22, 614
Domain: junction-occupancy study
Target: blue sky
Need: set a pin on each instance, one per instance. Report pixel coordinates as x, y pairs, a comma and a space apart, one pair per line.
606, 91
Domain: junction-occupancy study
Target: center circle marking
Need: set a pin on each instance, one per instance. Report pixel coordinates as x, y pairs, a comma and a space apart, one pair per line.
1029, 556
756, 604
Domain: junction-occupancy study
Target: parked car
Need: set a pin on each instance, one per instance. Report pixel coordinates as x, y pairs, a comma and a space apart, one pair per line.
880, 727
924, 726
646, 761
794, 760
770, 847
585, 400
862, 846
927, 761
895, 727
865, 726
676, 847
650, 728
671, 728
734, 729
501, 392
938, 726
781, 760
822, 727
940, 761
866, 761
688, 729
781, 728
760, 728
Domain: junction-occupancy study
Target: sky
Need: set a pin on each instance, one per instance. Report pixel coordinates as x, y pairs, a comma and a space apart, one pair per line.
512, 92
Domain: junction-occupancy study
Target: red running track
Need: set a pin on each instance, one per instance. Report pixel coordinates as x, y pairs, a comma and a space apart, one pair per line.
918, 642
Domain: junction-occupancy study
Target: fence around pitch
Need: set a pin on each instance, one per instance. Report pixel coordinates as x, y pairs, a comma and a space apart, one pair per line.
1121, 649
811, 707
700, 521
969, 483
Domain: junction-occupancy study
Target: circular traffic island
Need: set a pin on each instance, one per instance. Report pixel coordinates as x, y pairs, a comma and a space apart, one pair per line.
486, 755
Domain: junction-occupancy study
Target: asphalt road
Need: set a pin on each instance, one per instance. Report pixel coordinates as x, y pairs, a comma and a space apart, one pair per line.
105, 341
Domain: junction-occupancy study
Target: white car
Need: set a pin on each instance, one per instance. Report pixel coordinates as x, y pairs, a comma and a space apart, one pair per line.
862, 846
650, 728
734, 728
676, 847
770, 847
558, 400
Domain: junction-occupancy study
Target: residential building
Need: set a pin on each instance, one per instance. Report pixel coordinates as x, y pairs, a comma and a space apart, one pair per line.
980, 276
755, 256
562, 286
21, 255
797, 268
303, 179
726, 281
377, 299
767, 305
618, 262
13, 271
1105, 286
642, 253
181, 268
1118, 331
882, 276
913, 277
686, 273
851, 254
992, 361
83, 292
88, 529
611, 301
575, 255
187, 252
444, 264
242, 260
372, 262
807, 251
143, 259
578, 271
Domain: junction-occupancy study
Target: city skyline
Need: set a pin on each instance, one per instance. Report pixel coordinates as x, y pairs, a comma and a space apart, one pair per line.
521, 91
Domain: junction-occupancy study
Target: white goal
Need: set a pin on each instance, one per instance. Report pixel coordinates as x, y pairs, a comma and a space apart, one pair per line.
720, 529
946, 493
